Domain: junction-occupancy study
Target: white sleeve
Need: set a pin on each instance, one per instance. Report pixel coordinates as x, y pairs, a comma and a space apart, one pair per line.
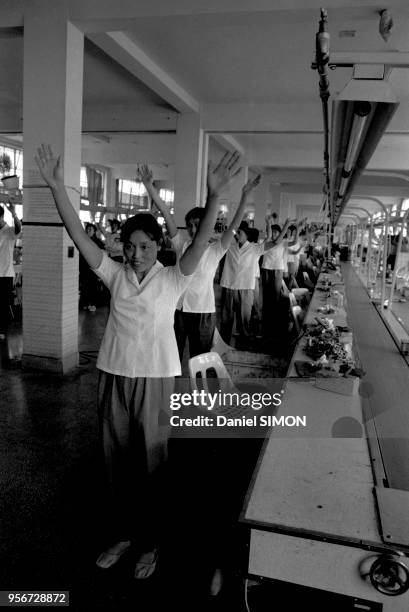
218, 250
177, 279
107, 269
178, 244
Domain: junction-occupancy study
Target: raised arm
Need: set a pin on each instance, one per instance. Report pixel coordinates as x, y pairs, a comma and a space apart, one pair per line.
51, 171
99, 225
218, 179
269, 243
269, 220
145, 174
245, 192
298, 227
17, 222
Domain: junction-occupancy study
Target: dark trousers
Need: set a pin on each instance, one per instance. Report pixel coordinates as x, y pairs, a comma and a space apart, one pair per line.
237, 302
134, 431
6, 293
272, 282
89, 284
198, 328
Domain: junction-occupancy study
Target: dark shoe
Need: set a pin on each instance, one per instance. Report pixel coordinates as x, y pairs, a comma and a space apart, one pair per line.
111, 556
146, 565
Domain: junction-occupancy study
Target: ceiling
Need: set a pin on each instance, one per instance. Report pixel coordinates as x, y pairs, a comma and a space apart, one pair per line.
244, 66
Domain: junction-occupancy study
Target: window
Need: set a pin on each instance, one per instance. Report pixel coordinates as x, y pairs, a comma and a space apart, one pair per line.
167, 195
84, 188
405, 205
85, 216
83, 184
132, 195
16, 157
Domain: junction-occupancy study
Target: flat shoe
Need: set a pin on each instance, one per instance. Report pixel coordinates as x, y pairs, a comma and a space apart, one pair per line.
111, 556
146, 565
216, 583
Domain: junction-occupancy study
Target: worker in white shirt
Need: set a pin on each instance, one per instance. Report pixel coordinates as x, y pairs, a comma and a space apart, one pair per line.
294, 248
253, 236
238, 283
272, 273
8, 237
138, 358
195, 316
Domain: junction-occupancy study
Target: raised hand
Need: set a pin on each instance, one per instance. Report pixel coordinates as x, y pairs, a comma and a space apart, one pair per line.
221, 176
251, 184
10, 204
144, 174
49, 166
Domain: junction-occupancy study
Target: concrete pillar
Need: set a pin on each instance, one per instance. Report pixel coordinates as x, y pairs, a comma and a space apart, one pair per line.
287, 208
53, 72
189, 156
110, 189
275, 198
266, 199
232, 197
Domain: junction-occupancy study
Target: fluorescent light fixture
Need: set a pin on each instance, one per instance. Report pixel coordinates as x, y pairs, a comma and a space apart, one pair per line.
361, 112
360, 116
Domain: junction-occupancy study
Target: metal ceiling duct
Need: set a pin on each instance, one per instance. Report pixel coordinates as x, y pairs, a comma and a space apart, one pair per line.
360, 116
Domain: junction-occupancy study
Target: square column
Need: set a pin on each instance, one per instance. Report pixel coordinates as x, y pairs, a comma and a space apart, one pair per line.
233, 196
53, 73
267, 198
287, 208
189, 156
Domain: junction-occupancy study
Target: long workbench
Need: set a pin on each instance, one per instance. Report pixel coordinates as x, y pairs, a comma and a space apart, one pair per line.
326, 508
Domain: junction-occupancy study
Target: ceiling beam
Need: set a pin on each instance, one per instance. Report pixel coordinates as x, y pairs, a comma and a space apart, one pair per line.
123, 118
229, 143
127, 53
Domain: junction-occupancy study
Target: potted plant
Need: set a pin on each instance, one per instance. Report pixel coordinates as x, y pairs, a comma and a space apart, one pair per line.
10, 181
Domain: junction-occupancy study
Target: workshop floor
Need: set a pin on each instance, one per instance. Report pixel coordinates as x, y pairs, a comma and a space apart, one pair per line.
52, 523
52, 497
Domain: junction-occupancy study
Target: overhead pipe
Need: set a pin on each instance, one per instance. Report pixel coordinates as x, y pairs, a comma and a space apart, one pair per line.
322, 41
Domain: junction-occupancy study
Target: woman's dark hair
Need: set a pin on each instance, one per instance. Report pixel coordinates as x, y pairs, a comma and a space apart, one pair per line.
113, 222
292, 228
87, 225
253, 234
276, 228
244, 227
195, 213
144, 222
